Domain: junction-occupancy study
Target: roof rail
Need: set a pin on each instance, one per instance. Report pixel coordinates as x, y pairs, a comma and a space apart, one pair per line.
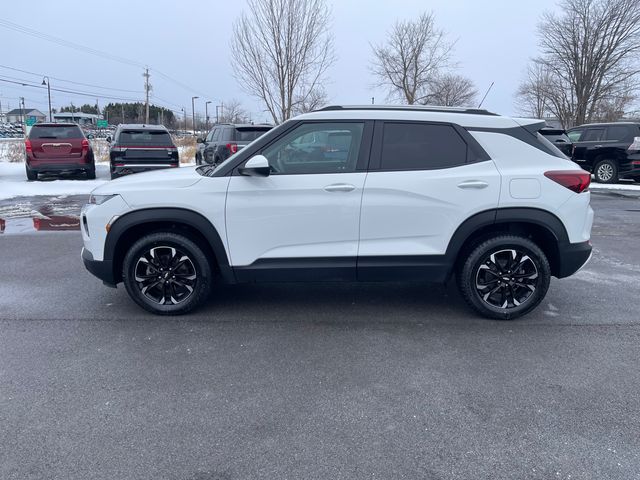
420, 108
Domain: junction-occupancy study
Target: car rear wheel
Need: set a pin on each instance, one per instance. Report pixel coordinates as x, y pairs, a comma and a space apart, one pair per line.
31, 175
167, 274
505, 277
606, 171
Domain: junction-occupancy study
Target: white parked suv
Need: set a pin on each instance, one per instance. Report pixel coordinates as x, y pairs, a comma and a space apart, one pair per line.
353, 194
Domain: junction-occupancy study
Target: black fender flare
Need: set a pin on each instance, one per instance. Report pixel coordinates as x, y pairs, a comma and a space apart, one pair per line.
170, 215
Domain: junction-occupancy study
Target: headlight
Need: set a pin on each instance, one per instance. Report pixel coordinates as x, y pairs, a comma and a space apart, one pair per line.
99, 199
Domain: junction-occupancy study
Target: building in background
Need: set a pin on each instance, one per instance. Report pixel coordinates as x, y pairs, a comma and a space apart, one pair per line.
18, 115
82, 119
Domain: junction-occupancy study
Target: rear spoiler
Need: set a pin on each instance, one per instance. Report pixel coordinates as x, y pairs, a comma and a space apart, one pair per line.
531, 125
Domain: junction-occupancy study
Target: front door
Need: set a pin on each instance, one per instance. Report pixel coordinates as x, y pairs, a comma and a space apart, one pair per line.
302, 221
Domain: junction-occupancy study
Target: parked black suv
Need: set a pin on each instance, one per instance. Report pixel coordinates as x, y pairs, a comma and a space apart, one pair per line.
559, 138
138, 148
609, 150
226, 139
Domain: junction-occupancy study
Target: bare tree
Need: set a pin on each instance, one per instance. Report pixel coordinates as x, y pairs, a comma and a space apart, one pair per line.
451, 90
413, 56
232, 112
533, 95
316, 99
591, 54
281, 51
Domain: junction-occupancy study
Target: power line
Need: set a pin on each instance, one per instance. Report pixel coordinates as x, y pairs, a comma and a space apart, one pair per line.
70, 81
92, 51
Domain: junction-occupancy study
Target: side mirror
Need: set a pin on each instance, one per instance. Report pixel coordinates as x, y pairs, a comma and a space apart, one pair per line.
89, 137
256, 166
199, 140
109, 139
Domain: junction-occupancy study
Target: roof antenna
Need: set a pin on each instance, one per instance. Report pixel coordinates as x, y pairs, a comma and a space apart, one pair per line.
485, 95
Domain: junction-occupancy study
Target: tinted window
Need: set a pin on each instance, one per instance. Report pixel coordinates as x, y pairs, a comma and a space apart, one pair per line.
316, 148
574, 135
55, 132
420, 146
249, 134
618, 132
145, 138
209, 136
593, 135
216, 134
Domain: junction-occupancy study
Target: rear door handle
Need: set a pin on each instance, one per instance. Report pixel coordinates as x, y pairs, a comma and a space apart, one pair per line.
597, 146
473, 184
340, 187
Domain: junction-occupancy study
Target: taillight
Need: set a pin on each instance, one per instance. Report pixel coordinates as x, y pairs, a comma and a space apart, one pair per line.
575, 180
233, 147
27, 146
635, 145
85, 145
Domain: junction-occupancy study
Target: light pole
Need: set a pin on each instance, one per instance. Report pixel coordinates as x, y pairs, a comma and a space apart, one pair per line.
184, 114
48, 84
206, 113
193, 113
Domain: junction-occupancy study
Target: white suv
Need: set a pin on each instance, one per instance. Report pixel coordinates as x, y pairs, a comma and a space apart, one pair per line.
353, 194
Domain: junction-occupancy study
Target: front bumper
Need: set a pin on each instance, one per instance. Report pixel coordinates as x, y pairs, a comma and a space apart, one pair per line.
102, 270
573, 256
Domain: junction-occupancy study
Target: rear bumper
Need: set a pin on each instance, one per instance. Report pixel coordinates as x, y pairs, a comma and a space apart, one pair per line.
102, 270
59, 167
573, 256
133, 167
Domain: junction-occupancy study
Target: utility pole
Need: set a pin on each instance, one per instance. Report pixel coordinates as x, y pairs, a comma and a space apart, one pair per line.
122, 110
73, 110
193, 113
147, 87
48, 84
184, 114
206, 114
22, 115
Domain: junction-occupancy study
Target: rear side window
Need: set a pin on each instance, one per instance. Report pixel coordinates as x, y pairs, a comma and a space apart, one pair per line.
149, 138
593, 135
55, 132
249, 134
421, 146
574, 135
618, 132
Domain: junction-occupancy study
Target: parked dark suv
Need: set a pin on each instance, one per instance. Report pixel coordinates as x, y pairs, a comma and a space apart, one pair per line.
559, 138
58, 147
609, 150
226, 139
138, 148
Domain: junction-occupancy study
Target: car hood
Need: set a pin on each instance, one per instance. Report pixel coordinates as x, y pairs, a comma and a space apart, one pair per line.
165, 179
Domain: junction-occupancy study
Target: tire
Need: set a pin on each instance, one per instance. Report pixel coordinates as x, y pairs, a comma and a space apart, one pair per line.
91, 173
606, 171
489, 283
31, 175
165, 294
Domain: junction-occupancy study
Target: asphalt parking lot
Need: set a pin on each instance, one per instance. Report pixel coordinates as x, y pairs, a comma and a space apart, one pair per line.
319, 381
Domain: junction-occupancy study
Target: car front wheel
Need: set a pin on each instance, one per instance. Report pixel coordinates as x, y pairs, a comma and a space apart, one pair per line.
167, 274
505, 277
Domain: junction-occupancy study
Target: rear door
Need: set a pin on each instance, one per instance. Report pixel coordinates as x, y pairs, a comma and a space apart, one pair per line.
56, 141
145, 148
588, 147
425, 179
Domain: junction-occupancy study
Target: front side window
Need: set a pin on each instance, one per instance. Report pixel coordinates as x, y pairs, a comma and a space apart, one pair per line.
316, 148
421, 146
209, 136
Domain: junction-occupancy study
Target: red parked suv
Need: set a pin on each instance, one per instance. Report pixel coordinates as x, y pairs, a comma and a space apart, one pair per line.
58, 147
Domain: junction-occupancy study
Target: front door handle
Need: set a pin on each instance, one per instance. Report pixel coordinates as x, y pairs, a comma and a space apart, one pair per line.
475, 184
597, 146
340, 187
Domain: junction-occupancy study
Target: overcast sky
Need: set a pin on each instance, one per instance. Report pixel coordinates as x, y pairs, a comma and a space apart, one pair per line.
188, 41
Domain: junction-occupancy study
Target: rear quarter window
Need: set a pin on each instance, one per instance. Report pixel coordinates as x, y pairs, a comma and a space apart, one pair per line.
149, 138
55, 132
